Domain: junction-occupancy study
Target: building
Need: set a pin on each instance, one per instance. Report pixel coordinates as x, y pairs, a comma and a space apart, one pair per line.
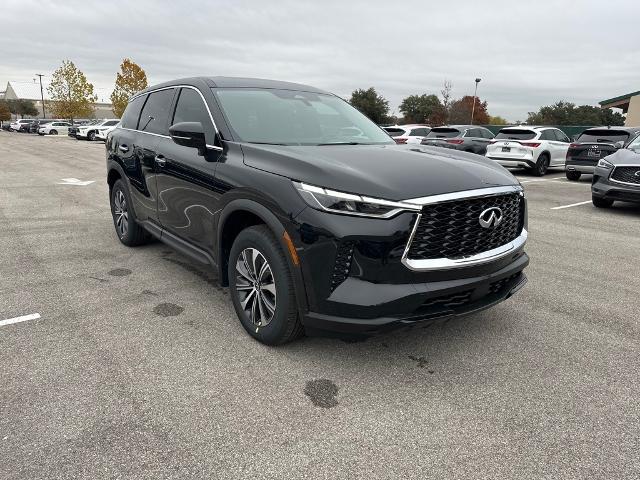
31, 91
629, 103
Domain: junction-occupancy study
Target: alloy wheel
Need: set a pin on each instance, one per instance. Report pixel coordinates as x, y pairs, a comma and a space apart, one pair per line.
256, 287
120, 213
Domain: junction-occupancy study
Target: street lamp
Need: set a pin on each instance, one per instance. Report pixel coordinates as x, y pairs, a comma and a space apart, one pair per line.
41, 94
475, 94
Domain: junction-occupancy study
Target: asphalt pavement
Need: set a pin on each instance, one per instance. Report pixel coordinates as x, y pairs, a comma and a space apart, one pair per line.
138, 368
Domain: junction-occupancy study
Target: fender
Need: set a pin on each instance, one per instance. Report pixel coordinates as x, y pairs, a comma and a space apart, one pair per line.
278, 229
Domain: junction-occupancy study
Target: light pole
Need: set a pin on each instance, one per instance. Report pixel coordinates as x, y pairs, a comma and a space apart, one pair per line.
41, 94
475, 94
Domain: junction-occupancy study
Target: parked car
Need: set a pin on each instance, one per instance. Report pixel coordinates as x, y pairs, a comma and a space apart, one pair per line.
468, 138
36, 124
312, 228
102, 132
89, 132
80, 123
19, 125
592, 145
534, 148
54, 128
617, 176
413, 133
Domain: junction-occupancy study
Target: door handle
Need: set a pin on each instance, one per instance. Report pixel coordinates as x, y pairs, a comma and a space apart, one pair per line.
123, 148
160, 160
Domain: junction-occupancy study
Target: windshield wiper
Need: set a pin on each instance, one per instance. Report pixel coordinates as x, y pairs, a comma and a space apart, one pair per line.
269, 143
343, 143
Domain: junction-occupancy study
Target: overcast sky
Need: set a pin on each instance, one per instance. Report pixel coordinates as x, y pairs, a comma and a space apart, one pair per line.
528, 53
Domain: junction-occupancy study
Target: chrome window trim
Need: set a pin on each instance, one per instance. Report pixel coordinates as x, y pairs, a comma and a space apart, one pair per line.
480, 258
149, 92
611, 179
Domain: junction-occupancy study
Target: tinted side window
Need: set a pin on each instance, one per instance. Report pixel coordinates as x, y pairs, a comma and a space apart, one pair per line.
110, 123
472, 133
419, 132
547, 135
486, 133
191, 108
132, 112
561, 136
155, 114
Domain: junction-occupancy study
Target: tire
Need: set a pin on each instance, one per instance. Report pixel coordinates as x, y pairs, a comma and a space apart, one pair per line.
129, 232
273, 319
542, 165
91, 136
573, 175
53, 132
600, 202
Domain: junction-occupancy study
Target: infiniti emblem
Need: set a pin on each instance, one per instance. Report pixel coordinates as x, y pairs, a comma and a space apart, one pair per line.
637, 174
490, 218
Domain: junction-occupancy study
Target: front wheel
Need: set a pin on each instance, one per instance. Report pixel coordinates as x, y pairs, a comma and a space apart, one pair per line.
541, 165
53, 132
261, 287
573, 175
600, 202
91, 136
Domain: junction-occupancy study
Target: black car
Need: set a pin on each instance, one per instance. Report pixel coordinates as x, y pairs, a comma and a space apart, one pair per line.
309, 212
468, 138
617, 176
594, 144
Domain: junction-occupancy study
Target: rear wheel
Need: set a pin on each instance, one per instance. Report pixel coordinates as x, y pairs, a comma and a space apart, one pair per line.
573, 175
601, 202
124, 221
261, 287
541, 165
53, 132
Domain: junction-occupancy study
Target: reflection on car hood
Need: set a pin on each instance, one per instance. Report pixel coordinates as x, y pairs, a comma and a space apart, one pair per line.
394, 172
624, 156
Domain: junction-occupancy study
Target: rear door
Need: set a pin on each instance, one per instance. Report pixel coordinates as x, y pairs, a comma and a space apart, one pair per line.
562, 145
187, 202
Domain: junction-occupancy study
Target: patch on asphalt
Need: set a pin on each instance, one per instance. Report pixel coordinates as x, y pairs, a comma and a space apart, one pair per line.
149, 292
119, 272
168, 309
322, 393
420, 361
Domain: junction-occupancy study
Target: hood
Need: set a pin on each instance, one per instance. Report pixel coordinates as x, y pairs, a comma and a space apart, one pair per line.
624, 156
393, 172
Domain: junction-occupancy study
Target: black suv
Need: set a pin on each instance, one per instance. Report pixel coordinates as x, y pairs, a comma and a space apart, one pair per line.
309, 212
468, 138
594, 144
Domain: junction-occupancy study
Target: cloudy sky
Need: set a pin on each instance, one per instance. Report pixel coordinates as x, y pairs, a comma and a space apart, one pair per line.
528, 53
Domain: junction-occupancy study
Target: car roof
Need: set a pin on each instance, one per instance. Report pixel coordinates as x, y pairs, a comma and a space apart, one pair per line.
459, 127
609, 127
235, 82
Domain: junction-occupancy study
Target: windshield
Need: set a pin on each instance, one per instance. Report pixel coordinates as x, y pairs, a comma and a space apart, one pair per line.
635, 144
603, 136
290, 117
516, 134
443, 133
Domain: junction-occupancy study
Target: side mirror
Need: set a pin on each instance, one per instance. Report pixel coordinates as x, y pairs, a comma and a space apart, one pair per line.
619, 144
189, 134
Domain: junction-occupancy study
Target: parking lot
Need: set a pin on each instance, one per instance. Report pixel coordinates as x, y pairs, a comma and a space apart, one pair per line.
137, 366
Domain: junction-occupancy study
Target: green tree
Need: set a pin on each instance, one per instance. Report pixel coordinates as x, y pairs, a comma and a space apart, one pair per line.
71, 93
423, 109
374, 106
5, 112
129, 80
460, 112
21, 107
497, 120
567, 113
446, 99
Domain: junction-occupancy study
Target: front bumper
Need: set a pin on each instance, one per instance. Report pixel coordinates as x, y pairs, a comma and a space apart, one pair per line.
603, 187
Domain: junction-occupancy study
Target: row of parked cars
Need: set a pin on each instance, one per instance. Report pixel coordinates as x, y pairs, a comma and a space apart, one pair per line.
87, 130
532, 147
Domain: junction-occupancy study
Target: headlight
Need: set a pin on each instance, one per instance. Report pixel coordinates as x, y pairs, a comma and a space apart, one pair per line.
602, 163
350, 204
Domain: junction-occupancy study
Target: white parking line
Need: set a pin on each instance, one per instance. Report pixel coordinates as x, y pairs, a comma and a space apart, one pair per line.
572, 205
23, 318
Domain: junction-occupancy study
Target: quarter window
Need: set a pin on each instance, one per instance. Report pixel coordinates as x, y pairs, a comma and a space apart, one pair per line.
419, 132
132, 113
191, 108
155, 113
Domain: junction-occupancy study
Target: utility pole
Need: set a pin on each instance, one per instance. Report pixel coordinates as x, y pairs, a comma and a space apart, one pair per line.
41, 94
475, 94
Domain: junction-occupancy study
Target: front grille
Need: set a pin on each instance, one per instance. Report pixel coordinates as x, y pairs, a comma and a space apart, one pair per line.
342, 264
499, 285
452, 229
627, 174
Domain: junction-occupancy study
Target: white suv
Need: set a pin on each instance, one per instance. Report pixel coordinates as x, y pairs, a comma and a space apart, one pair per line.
102, 132
408, 133
535, 148
89, 131
19, 123
54, 128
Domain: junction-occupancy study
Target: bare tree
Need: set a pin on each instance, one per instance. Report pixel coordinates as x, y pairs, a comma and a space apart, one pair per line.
446, 98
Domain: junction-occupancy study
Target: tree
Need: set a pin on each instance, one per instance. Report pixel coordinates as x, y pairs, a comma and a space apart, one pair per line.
566, 113
72, 94
5, 112
446, 99
460, 112
374, 106
497, 120
21, 107
422, 109
129, 80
